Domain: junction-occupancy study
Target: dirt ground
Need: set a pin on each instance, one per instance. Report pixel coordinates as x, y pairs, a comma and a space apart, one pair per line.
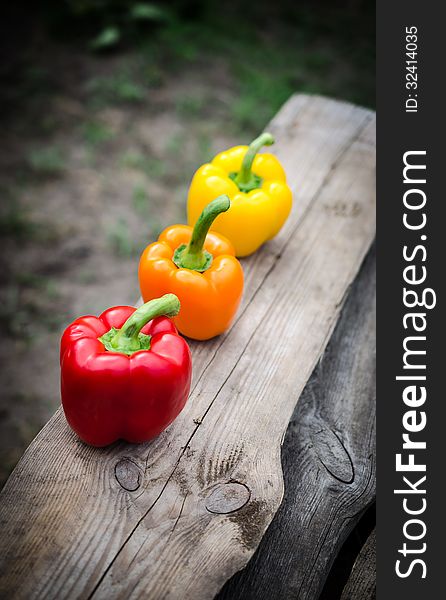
85, 228
96, 161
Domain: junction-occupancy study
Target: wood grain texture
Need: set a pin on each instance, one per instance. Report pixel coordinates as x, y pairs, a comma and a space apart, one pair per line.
328, 459
362, 581
134, 521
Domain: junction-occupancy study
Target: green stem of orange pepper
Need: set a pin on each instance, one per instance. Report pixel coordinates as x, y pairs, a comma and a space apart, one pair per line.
193, 256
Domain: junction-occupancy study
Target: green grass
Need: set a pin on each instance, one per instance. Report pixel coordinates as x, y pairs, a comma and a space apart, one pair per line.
175, 144
132, 159
190, 106
15, 223
310, 56
309, 51
140, 200
119, 88
48, 160
121, 240
30, 303
204, 148
153, 167
96, 133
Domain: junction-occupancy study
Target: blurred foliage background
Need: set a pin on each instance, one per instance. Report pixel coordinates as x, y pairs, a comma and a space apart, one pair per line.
107, 108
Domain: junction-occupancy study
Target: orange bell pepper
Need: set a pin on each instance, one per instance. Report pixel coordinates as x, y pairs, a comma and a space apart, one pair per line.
200, 268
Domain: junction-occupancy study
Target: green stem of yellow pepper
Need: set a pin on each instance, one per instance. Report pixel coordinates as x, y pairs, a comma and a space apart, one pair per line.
193, 256
245, 179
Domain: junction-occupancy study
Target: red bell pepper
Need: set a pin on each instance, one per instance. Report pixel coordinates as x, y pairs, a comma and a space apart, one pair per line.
126, 374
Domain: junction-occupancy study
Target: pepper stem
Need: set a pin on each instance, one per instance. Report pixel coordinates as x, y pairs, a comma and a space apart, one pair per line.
245, 176
193, 256
129, 338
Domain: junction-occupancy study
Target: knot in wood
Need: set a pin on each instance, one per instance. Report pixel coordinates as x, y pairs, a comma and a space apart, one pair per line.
332, 453
128, 474
227, 498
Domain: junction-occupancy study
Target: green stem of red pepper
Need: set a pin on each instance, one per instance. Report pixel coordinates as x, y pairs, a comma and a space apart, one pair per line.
245, 179
193, 256
129, 338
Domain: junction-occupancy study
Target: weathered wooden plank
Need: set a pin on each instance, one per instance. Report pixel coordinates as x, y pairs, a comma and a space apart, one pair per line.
362, 581
140, 520
328, 460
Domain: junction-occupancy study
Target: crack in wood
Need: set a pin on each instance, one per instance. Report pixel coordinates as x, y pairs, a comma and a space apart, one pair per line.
180, 513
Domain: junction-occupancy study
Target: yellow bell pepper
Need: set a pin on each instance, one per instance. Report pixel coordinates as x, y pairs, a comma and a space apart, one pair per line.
256, 185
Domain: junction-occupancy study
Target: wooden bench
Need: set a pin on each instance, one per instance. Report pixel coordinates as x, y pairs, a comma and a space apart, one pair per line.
178, 517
